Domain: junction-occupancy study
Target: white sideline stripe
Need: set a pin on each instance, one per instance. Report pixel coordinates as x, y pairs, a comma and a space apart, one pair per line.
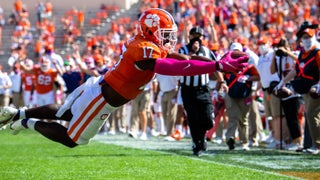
243, 167
224, 164
134, 146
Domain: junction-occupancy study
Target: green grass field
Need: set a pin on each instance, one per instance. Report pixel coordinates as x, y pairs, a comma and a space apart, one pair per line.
30, 156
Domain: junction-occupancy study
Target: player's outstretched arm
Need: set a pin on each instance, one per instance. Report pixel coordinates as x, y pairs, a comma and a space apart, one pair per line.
174, 67
169, 66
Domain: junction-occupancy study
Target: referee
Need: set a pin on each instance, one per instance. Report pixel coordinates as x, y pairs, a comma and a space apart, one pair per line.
196, 94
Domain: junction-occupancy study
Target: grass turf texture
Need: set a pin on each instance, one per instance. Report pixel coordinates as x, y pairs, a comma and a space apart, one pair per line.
30, 156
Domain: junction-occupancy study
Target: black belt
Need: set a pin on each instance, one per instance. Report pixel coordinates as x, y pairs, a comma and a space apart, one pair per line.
264, 89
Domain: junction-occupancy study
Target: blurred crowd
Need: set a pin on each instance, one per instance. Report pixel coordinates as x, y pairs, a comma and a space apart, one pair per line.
44, 76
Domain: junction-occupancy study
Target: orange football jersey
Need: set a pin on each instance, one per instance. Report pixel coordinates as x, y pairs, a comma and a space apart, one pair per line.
124, 77
28, 80
44, 80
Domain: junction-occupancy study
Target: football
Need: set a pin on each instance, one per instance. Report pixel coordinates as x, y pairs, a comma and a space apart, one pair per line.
284, 92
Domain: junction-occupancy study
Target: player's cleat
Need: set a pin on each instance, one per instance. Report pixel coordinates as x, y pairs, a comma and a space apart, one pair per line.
16, 127
7, 114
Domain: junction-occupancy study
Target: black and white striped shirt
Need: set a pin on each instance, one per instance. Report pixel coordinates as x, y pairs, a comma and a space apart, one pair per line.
198, 80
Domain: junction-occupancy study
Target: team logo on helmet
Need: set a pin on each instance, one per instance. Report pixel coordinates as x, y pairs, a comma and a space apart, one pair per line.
152, 20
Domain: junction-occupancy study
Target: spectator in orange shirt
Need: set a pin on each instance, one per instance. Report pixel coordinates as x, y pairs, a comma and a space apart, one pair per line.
233, 21
80, 18
17, 9
307, 11
51, 28
37, 49
48, 9
91, 41
18, 4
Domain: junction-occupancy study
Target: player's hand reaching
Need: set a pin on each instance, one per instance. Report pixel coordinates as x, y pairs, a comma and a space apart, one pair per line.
232, 64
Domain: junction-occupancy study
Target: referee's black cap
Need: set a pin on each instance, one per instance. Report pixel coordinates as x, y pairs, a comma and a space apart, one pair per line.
196, 31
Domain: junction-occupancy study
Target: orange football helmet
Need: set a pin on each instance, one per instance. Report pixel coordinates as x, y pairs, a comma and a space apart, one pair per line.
158, 26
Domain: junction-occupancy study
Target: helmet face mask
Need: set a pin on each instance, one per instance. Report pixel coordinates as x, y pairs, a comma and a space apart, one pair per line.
167, 37
44, 67
158, 26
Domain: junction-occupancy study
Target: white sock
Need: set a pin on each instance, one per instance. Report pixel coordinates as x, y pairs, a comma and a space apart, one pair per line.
22, 113
163, 127
158, 123
31, 123
179, 127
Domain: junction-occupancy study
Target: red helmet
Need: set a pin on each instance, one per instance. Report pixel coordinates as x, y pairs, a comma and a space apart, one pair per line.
158, 26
